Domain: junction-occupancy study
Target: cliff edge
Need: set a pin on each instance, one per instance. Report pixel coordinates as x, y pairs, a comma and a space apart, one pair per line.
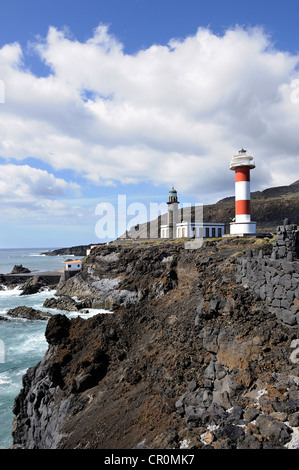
192, 353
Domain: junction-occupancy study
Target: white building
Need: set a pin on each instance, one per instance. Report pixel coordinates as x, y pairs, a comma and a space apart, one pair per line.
73, 265
176, 229
190, 230
199, 230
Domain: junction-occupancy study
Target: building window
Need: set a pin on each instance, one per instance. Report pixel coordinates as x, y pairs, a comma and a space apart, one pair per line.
207, 232
219, 232
213, 232
69, 265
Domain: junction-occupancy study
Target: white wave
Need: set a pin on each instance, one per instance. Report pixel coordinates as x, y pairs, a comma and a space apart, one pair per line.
10, 292
91, 313
4, 379
31, 345
3, 312
36, 254
36, 342
65, 255
42, 294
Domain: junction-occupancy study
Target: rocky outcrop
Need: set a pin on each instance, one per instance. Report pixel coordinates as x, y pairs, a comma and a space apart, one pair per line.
35, 284
29, 313
111, 277
65, 302
42, 409
19, 269
3, 318
79, 250
30, 283
189, 357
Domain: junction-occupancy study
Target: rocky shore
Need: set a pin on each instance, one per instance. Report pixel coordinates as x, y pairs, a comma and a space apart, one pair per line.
191, 355
79, 250
29, 282
29, 313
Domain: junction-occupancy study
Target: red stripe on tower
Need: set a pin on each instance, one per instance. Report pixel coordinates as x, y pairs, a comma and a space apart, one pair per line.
242, 207
242, 174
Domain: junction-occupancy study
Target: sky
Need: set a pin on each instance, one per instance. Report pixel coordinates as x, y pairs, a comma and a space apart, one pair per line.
119, 100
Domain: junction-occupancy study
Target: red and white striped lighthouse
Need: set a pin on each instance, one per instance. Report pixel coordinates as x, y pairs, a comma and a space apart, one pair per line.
241, 164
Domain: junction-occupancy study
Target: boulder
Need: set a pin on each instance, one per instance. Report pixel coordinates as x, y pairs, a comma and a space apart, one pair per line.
276, 432
3, 318
33, 285
19, 269
62, 303
57, 329
28, 313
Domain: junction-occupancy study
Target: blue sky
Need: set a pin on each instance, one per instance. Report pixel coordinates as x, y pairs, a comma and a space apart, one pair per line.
109, 97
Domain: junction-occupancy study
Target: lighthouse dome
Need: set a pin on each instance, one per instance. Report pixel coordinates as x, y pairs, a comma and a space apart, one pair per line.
173, 196
243, 158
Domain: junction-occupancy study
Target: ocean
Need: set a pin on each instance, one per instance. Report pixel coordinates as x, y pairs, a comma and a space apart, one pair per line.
22, 342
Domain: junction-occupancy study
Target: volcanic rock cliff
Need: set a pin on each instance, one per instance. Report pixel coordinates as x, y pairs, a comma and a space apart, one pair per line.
189, 356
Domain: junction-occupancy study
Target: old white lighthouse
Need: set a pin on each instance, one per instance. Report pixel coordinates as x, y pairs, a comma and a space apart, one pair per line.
177, 228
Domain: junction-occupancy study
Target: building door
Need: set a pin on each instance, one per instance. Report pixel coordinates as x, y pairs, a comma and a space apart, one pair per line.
207, 232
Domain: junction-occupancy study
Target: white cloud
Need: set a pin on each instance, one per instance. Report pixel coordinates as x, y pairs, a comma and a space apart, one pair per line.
171, 114
25, 190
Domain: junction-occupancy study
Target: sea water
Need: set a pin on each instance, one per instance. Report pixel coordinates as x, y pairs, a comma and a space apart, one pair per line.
22, 342
30, 258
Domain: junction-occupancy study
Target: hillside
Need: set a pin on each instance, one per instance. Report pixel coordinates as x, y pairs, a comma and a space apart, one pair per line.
268, 208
